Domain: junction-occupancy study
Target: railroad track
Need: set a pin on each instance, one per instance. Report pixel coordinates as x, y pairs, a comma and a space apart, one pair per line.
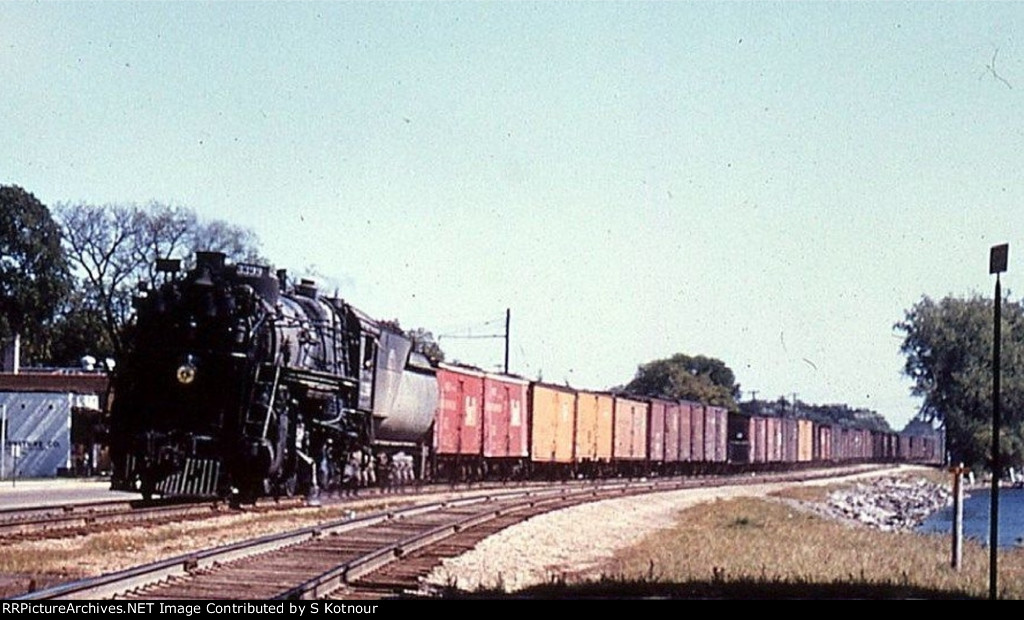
41, 523
372, 556
76, 519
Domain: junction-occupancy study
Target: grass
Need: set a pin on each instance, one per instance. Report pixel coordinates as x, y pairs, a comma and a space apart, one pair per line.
73, 557
761, 548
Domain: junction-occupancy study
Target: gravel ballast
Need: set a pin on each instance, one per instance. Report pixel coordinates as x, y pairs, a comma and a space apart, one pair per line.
578, 541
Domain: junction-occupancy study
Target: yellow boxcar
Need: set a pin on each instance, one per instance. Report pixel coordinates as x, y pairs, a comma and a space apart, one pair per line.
593, 426
552, 413
585, 443
805, 449
605, 432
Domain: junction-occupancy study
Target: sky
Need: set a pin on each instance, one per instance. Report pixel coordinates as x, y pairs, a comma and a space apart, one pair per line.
770, 184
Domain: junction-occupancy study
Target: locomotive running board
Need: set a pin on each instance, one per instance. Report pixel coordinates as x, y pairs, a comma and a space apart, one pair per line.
317, 380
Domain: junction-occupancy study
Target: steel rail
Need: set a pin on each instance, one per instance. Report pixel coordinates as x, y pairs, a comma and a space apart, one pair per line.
120, 582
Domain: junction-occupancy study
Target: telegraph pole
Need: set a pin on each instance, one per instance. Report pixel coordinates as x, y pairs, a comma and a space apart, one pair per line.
508, 322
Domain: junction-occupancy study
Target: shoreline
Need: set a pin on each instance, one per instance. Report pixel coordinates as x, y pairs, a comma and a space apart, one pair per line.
887, 503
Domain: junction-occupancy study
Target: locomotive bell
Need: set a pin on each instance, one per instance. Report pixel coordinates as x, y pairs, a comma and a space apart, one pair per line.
204, 278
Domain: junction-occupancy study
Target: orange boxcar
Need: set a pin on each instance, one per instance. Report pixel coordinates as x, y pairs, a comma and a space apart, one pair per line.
585, 439
552, 411
593, 441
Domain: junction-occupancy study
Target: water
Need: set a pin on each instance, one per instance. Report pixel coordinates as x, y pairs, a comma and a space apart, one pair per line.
976, 511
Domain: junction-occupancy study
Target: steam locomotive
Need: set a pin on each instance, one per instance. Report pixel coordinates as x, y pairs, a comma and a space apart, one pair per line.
240, 384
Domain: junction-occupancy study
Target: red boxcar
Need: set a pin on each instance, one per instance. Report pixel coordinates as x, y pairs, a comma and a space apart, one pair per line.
686, 431
840, 444
505, 415
773, 440
458, 426
790, 440
696, 432
721, 443
759, 440
715, 434
630, 441
656, 431
672, 432
823, 445
710, 432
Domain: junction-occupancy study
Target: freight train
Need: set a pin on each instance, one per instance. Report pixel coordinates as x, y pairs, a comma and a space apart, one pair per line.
241, 384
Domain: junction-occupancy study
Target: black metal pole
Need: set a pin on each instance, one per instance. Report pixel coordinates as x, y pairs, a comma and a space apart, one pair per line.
993, 560
508, 321
957, 551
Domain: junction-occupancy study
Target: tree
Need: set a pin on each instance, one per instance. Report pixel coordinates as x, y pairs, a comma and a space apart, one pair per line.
948, 345
34, 274
114, 247
78, 330
840, 414
423, 341
681, 376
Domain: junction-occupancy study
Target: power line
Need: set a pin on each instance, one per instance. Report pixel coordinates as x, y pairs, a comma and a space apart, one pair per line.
504, 336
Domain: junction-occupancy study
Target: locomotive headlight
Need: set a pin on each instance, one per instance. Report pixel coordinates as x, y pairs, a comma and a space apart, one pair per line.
186, 373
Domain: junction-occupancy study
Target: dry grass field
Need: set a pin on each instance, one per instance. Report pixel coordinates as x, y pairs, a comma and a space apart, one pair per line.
765, 548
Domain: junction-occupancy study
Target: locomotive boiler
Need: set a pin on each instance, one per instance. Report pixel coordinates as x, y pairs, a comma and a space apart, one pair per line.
240, 385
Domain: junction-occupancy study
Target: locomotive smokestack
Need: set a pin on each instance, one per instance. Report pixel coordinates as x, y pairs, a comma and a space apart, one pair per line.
208, 264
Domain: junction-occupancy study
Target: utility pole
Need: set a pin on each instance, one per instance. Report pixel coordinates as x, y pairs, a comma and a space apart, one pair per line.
508, 322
